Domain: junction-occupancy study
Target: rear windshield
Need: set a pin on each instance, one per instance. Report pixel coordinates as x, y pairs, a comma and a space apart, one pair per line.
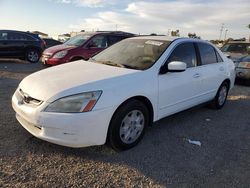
77, 40
236, 47
133, 53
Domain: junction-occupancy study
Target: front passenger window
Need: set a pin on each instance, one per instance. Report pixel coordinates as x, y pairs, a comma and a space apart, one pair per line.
184, 52
99, 42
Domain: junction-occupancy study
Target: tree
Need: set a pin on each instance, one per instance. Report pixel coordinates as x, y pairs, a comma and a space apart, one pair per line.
193, 35
175, 33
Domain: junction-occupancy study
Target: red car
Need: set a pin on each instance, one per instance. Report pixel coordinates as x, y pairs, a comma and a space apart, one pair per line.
82, 46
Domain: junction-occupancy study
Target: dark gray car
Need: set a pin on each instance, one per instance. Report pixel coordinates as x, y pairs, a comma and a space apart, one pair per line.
22, 45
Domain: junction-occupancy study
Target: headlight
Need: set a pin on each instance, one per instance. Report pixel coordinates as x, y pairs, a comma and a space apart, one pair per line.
244, 65
60, 54
83, 102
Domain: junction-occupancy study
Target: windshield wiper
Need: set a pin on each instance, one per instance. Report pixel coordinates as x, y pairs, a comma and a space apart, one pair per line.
112, 64
130, 67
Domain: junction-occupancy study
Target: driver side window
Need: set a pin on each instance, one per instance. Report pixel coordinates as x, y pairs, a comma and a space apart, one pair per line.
99, 42
184, 52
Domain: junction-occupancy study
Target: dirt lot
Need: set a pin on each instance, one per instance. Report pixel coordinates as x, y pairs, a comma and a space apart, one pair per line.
164, 158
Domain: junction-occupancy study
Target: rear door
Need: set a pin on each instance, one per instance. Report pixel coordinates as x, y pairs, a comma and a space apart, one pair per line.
212, 69
16, 44
180, 90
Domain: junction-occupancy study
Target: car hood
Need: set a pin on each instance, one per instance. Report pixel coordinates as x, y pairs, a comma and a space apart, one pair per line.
58, 48
71, 78
235, 56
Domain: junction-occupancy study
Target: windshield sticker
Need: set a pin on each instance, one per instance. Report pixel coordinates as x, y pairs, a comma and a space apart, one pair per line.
155, 43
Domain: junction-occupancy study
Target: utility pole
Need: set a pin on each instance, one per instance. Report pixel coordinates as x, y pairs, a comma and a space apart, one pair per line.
168, 32
225, 34
221, 30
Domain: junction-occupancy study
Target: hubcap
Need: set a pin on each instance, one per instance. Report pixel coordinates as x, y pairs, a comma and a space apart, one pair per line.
222, 95
132, 126
33, 56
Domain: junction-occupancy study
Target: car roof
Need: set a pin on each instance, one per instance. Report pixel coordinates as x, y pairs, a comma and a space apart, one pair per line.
169, 38
23, 32
107, 32
238, 42
164, 38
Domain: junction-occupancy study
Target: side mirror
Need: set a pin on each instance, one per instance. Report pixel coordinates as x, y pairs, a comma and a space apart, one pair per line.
228, 56
174, 66
177, 66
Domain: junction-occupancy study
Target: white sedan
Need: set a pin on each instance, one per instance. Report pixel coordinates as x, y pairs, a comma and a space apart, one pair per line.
114, 96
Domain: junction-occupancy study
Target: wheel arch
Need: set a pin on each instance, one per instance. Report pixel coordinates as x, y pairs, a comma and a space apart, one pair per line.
75, 58
142, 99
228, 82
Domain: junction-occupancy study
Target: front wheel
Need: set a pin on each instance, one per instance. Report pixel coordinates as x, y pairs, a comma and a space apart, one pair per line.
128, 125
221, 96
32, 55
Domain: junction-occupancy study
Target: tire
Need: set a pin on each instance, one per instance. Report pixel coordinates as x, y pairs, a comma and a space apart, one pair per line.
32, 55
221, 96
128, 125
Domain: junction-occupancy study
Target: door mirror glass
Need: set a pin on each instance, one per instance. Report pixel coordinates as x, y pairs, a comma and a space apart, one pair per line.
177, 66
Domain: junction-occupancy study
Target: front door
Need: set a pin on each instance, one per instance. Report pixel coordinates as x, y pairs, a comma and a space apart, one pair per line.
180, 90
97, 44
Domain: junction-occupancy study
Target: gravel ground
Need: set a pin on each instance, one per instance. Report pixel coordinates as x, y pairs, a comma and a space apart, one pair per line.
164, 158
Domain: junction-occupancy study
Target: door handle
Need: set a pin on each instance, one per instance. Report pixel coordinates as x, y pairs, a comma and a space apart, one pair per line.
221, 68
197, 75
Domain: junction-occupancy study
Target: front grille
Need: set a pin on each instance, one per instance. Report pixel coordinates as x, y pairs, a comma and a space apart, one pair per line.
24, 98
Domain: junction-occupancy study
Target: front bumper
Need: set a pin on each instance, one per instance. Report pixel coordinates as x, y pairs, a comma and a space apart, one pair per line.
67, 129
243, 73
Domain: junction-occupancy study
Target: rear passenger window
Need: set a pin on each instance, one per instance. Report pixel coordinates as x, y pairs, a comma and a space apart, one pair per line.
207, 53
186, 53
219, 59
19, 36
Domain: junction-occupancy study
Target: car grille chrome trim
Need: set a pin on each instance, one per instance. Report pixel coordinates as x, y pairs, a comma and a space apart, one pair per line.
24, 98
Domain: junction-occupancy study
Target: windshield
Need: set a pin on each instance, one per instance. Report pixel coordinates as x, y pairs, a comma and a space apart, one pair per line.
246, 59
131, 53
236, 48
77, 40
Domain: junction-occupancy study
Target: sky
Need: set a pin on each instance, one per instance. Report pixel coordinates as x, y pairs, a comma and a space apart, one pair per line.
202, 17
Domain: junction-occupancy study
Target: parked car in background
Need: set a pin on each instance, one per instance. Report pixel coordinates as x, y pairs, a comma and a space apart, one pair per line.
115, 95
51, 42
243, 68
236, 49
82, 46
22, 45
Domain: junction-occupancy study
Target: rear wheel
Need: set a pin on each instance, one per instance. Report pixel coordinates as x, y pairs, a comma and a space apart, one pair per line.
221, 96
128, 125
33, 55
